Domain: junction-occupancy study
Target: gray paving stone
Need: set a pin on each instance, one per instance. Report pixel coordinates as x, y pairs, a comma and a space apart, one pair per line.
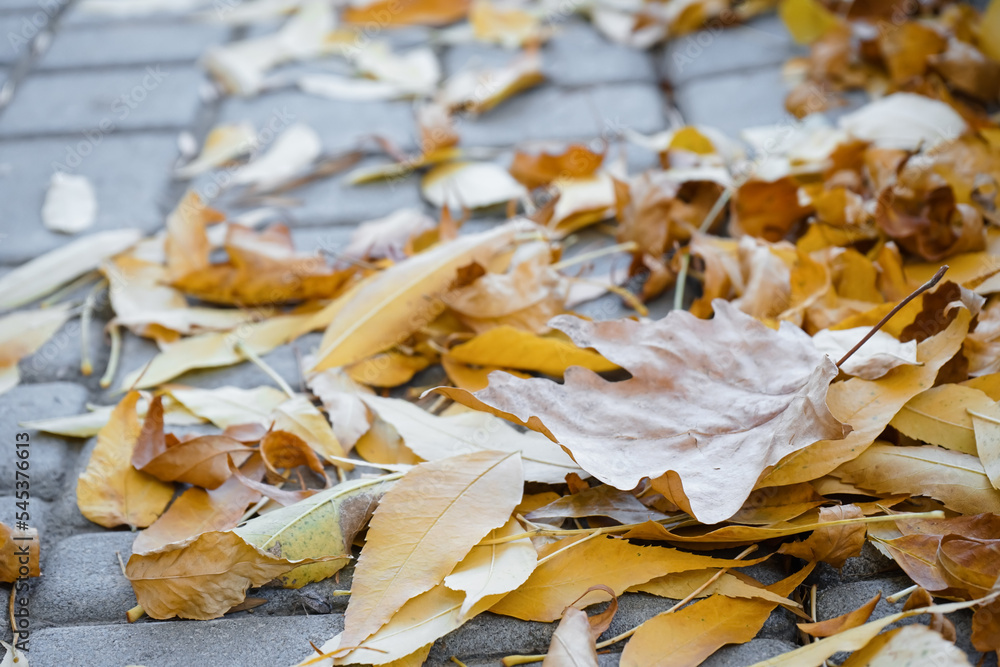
554, 113
152, 97
65, 519
16, 33
80, 14
577, 55
59, 359
237, 642
724, 47
83, 581
759, 95
38, 511
48, 455
145, 44
870, 563
752, 652
341, 125
130, 175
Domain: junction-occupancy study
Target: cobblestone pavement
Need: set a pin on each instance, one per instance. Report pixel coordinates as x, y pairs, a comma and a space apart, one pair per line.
108, 98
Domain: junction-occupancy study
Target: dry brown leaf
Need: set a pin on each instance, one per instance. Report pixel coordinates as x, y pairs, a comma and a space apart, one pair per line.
110, 492
851, 619
718, 437
832, 545
203, 577
602, 500
19, 554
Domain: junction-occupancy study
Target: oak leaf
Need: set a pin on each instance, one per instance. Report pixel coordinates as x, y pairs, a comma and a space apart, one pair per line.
715, 401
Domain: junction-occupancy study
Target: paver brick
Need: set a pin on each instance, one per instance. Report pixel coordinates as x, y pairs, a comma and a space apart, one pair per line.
48, 454
152, 97
236, 642
83, 581
759, 95
340, 124
577, 55
763, 43
16, 32
553, 113
130, 175
139, 44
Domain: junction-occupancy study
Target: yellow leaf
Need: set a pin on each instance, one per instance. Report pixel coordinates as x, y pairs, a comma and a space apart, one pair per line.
687, 637
110, 492
24, 333
957, 480
940, 416
508, 347
569, 567
986, 423
425, 525
989, 30
14, 546
400, 300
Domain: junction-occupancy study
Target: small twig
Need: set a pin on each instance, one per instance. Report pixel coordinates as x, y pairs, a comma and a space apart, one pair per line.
116, 348
920, 290
706, 224
628, 246
135, 613
85, 318
252, 356
896, 597
121, 563
56, 296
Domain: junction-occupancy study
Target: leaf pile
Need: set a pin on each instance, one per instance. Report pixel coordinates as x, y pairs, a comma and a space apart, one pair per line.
533, 461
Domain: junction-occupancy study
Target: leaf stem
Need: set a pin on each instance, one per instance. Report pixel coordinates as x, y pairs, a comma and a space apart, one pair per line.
899, 306
116, 348
628, 246
252, 356
706, 224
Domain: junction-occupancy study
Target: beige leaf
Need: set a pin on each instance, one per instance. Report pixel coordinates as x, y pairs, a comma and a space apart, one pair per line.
393, 304
341, 398
493, 569
433, 438
459, 185
70, 204
290, 155
739, 397
481, 90
44, 274
24, 333
905, 120
425, 525
956, 479
223, 144
110, 492
986, 423
572, 644
230, 406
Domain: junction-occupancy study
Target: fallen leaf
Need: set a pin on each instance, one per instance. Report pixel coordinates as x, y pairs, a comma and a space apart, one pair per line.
25, 333
601, 500
509, 347
914, 644
425, 525
566, 569
401, 299
201, 578
407, 12
851, 619
879, 355
19, 554
230, 406
688, 636
433, 438
223, 144
832, 545
986, 426
110, 492
44, 274
458, 185
479, 90
70, 204
619, 444
905, 120
290, 156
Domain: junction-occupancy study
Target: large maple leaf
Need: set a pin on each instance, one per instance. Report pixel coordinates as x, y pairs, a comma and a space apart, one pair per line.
716, 401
